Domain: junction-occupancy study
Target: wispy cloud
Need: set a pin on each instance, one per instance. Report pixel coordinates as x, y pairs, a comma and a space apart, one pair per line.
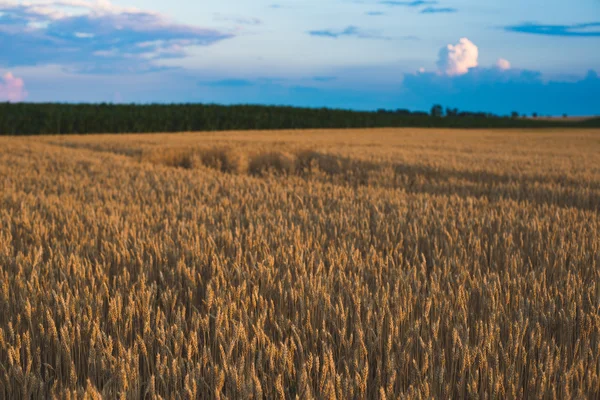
93, 36
375, 13
416, 3
232, 83
430, 6
238, 19
12, 88
591, 29
350, 31
438, 10
324, 78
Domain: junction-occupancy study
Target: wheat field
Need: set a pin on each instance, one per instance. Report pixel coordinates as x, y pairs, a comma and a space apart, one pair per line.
349, 264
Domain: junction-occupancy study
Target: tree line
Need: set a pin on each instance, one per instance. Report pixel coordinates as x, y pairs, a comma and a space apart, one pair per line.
58, 118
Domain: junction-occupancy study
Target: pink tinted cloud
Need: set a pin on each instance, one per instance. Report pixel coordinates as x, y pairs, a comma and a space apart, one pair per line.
503, 64
12, 88
457, 59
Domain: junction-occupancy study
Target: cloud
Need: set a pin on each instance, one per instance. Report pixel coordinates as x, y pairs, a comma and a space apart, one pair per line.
430, 9
12, 88
503, 64
438, 10
459, 58
324, 78
237, 19
417, 3
375, 13
93, 36
350, 31
487, 89
502, 91
591, 29
500, 88
231, 83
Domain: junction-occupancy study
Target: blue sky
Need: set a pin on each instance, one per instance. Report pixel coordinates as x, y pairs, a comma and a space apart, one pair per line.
529, 56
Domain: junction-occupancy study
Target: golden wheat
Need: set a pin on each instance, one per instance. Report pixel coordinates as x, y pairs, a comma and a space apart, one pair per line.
320, 264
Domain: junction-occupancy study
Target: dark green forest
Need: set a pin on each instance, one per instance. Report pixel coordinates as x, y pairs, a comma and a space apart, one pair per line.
53, 118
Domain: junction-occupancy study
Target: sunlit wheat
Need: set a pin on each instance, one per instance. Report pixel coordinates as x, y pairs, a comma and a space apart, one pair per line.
375, 264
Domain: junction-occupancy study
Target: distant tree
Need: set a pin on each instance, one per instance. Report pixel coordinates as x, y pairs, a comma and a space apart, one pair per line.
472, 114
565, 116
35, 118
437, 111
514, 115
534, 115
451, 112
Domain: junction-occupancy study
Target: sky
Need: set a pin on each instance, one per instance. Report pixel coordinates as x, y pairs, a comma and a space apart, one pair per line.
528, 56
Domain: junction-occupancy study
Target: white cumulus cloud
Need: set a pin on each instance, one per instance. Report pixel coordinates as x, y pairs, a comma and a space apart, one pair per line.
12, 88
457, 59
503, 64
